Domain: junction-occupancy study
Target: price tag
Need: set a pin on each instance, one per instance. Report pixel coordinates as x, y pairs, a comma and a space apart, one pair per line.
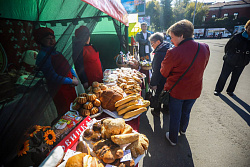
126, 156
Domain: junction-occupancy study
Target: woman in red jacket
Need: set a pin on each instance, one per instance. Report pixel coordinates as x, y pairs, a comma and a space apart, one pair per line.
175, 63
87, 62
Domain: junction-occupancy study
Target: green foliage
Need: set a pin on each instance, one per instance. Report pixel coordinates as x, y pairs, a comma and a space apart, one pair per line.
167, 14
153, 10
201, 11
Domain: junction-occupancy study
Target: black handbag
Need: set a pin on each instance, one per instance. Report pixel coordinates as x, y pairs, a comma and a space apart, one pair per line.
164, 96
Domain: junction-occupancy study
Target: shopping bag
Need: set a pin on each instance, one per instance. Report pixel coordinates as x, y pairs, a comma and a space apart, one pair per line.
164, 97
154, 102
148, 95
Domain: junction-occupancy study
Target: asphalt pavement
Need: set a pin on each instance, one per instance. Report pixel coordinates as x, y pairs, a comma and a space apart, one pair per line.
218, 134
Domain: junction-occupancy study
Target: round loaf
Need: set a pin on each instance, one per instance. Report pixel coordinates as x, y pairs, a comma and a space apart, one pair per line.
76, 160
109, 98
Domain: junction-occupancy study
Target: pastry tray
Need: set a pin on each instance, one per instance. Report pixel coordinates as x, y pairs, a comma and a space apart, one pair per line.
100, 111
136, 160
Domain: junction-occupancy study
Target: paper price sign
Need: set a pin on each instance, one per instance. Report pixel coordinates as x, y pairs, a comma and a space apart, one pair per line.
126, 156
108, 165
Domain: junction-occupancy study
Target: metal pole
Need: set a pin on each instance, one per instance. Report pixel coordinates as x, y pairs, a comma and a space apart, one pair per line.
194, 11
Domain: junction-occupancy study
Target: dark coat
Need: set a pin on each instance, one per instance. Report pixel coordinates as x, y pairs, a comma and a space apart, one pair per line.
237, 51
142, 42
175, 63
157, 79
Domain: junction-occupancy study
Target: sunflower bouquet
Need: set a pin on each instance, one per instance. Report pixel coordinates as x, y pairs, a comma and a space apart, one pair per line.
39, 139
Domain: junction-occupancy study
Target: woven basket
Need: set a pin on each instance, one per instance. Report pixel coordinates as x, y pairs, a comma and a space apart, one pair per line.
122, 65
146, 67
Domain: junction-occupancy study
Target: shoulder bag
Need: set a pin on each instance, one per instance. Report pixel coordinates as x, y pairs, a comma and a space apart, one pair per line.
164, 96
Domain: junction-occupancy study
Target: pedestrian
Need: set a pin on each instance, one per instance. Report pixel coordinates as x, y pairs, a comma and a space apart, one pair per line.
61, 78
87, 60
157, 80
188, 89
237, 56
144, 50
144, 44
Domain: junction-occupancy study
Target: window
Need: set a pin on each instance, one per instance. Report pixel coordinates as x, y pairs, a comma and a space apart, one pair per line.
226, 15
236, 15
213, 16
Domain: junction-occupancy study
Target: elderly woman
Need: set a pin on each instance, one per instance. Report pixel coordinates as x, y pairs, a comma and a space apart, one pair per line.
59, 75
177, 60
237, 56
157, 80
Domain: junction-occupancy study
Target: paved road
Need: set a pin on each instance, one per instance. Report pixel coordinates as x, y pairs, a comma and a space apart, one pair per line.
218, 134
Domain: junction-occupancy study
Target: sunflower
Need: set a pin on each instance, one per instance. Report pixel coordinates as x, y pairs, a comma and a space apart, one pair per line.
50, 137
24, 148
37, 128
46, 127
147, 57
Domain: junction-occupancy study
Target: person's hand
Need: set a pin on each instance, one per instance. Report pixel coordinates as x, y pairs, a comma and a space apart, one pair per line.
74, 81
153, 87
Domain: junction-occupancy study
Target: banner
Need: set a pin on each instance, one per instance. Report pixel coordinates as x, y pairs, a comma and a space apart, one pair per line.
134, 6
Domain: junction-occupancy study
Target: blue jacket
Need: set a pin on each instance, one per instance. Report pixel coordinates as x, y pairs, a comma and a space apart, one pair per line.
46, 67
157, 79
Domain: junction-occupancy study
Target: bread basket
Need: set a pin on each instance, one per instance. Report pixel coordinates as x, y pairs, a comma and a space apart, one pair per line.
146, 67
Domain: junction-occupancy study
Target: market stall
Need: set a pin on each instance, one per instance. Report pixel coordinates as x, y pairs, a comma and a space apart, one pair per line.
107, 23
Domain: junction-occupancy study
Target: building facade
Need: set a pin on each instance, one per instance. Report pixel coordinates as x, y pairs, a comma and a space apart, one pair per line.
238, 9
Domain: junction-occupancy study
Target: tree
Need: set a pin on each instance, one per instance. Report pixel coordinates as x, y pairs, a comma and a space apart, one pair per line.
153, 10
201, 11
167, 14
178, 10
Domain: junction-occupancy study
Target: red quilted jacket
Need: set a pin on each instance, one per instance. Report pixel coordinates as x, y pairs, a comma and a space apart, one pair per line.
177, 60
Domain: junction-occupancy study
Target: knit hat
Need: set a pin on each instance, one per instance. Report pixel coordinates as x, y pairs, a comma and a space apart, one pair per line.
42, 32
82, 31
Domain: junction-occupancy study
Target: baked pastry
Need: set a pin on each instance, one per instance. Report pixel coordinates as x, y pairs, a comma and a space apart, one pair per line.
95, 137
109, 98
87, 134
97, 90
97, 127
88, 105
83, 95
82, 100
76, 160
94, 110
107, 151
125, 138
89, 161
127, 129
139, 146
95, 84
91, 97
84, 112
76, 106
113, 127
83, 147
103, 87
97, 103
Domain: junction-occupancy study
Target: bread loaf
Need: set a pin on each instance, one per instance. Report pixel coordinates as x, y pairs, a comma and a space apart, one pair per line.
76, 160
113, 126
125, 100
129, 108
125, 138
139, 146
132, 102
109, 98
134, 112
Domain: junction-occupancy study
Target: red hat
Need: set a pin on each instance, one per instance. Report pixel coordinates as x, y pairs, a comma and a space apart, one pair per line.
42, 32
81, 31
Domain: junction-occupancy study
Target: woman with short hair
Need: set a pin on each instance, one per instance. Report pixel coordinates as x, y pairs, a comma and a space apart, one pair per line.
188, 89
157, 81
